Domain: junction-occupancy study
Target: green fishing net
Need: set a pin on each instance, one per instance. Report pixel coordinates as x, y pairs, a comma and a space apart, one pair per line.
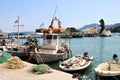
41, 68
84, 77
4, 56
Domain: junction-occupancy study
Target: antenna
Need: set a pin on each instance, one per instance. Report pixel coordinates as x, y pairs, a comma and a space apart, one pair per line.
54, 13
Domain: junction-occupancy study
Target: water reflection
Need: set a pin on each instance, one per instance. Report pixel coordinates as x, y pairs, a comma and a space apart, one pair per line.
101, 48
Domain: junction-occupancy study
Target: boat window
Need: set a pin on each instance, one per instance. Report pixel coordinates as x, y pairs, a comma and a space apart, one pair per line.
55, 37
49, 37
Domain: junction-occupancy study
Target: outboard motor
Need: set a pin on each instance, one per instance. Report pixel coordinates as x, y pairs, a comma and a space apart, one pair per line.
115, 57
85, 54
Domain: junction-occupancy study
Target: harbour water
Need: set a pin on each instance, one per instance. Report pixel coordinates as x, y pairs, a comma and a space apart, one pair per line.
102, 48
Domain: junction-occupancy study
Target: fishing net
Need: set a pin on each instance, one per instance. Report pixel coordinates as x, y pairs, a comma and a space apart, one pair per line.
40, 69
15, 63
85, 77
4, 56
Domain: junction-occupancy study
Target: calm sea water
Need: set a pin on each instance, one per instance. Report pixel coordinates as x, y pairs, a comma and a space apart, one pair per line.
102, 48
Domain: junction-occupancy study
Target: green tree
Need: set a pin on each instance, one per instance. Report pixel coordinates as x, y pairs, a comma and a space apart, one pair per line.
72, 29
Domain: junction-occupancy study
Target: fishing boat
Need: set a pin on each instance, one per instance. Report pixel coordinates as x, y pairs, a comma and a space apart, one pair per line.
54, 48
13, 48
109, 68
76, 63
51, 50
20, 52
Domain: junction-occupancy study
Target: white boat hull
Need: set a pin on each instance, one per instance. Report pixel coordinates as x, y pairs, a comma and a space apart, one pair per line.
45, 58
78, 68
75, 69
106, 73
101, 70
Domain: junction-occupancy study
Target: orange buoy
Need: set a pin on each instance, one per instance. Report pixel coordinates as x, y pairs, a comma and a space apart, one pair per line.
30, 56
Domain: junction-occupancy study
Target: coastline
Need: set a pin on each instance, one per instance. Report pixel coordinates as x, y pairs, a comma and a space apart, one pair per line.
25, 74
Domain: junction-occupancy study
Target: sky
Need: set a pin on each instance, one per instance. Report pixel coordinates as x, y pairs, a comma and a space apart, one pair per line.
72, 13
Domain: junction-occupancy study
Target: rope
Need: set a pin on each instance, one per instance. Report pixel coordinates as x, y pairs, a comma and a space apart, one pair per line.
39, 56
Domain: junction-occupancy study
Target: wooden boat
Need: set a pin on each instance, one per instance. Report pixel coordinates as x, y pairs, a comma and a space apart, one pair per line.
14, 49
21, 52
76, 63
103, 69
110, 68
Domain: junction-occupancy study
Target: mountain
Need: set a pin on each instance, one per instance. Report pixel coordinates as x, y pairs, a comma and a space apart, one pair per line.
117, 25
115, 28
97, 25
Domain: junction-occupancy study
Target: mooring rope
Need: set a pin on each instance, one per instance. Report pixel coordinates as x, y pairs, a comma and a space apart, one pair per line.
39, 56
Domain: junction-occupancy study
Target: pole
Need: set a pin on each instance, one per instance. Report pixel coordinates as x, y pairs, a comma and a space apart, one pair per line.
18, 25
18, 29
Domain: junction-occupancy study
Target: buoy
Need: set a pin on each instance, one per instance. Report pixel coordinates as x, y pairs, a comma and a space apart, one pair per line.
25, 49
30, 56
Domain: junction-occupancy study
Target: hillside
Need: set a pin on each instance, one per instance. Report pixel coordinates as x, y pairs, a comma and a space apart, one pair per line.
112, 27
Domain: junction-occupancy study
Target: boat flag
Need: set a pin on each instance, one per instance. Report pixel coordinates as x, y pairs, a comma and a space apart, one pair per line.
16, 21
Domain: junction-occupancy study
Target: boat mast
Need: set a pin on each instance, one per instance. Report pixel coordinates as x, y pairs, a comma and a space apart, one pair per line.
54, 13
18, 25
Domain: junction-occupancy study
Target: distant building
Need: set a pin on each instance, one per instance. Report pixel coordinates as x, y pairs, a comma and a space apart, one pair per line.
91, 30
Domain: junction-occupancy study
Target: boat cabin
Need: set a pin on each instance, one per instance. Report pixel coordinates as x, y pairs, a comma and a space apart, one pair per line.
51, 40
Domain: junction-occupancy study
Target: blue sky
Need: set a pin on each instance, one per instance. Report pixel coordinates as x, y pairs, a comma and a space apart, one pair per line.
76, 13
